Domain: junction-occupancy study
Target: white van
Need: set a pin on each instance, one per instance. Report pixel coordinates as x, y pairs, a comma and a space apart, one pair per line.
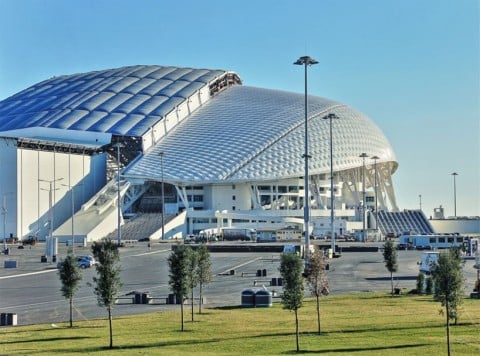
428, 262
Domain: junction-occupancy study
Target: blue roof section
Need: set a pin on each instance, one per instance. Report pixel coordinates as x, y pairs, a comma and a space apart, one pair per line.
125, 101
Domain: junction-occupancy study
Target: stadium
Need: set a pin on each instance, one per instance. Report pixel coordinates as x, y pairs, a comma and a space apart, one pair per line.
177, 151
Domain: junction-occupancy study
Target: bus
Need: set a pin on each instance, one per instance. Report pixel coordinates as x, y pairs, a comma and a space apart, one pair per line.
236, 233
430, 242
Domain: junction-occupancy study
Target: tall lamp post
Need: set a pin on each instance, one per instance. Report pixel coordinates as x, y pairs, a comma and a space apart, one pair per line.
49, 245
330, 117
306, 61
455, 174
375, 158
420, 198
72, 200
363, 155
4, 212
163, 196
118, 145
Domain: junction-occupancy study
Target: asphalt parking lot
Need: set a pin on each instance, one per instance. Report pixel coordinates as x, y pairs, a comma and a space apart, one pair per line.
32, 288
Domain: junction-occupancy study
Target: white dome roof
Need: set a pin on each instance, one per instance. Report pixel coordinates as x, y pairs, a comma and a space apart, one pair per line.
253, 134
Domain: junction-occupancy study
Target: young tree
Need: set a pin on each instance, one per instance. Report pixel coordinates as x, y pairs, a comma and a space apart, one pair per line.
204, 271
70, 276
192, 275
390, 259
448, 279
317, 279
108, 282
420, 283
291, 269
179, 265
429, 287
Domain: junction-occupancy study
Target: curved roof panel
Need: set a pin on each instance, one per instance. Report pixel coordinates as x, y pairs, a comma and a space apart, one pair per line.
124, 101
247, 133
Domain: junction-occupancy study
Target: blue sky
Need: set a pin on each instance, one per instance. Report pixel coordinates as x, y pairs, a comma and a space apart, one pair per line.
412, 66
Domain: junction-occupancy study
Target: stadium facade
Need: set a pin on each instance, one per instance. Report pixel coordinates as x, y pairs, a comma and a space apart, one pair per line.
223, 154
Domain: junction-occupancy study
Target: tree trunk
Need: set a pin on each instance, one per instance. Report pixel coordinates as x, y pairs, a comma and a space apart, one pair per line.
181, 309
448, 328
71, 312
200, 299
110, 325
296, 329
318, 313
391, 280
191, 302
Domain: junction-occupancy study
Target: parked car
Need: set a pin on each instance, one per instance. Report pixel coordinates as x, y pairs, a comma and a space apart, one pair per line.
189, 239
88, 258
82, 262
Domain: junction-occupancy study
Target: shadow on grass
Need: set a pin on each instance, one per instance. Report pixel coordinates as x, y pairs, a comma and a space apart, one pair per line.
93, 349
48, 339
353, 350
233, 307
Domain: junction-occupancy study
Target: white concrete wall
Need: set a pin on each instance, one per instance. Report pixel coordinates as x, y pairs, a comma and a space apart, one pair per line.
462, 226
36, 169
8, 187
222, 195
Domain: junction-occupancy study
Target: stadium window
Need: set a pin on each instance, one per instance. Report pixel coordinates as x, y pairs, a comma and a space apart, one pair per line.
233, 207
293, 189
198, 198
282, 189
233, 186
233, 197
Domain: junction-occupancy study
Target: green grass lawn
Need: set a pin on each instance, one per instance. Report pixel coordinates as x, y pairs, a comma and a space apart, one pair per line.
354, 324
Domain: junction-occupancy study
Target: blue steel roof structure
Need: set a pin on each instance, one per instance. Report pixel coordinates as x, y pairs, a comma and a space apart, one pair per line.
253, 134
125, 101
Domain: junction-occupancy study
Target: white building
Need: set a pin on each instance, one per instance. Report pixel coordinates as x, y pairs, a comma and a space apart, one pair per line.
227, 154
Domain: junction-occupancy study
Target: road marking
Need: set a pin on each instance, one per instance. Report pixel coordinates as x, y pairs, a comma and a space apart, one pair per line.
29, 274
148, 253
241, 265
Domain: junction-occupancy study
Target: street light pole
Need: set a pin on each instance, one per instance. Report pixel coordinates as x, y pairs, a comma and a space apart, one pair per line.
118, 145
49, 247
163, 196
455, 174
363, 155
330, 117
376, 200
420, 198
306, 61
4, 212
72, 191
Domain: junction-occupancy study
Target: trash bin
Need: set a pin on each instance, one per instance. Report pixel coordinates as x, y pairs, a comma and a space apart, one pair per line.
248, 298
263, 298
7, 319
171, 299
